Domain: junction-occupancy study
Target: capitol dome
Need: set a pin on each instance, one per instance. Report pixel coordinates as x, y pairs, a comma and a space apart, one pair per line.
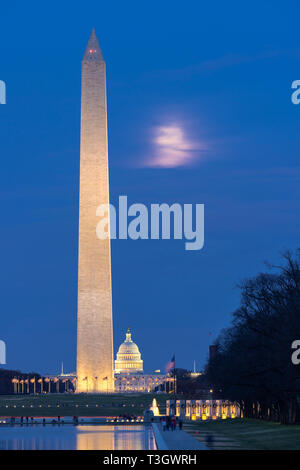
128, 357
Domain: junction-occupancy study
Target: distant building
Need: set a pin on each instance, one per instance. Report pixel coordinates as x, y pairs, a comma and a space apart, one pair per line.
129, 374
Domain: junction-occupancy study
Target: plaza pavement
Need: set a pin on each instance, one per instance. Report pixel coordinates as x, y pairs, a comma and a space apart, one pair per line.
175, 440
219, 442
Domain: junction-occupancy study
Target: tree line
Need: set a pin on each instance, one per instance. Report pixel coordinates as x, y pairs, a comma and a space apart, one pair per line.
253, 360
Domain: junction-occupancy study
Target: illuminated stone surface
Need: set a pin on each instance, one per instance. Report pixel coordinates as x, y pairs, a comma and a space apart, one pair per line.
94, 325
128, 357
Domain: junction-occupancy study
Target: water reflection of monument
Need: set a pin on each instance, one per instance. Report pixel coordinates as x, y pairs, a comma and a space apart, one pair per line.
125, 437
95, 438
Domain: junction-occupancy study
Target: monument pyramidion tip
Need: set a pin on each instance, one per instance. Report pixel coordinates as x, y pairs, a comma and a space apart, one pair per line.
93, 51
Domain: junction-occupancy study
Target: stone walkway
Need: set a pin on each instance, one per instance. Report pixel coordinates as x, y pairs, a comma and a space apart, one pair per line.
219, 442
175, 440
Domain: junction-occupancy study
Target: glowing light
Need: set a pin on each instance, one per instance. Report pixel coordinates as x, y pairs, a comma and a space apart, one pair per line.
173, 148
154, 407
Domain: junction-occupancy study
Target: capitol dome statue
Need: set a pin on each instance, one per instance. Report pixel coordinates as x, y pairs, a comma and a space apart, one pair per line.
128, 357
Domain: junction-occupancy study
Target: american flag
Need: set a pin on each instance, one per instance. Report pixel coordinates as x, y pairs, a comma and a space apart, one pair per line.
171, 364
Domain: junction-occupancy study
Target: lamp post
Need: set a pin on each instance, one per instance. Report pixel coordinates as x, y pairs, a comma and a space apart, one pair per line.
74, 383
15, 381
34, 385
87, 385
48, 381
174, 386
56, 380
106, 378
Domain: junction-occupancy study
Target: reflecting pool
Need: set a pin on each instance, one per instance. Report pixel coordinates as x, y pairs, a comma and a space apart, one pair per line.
81, 437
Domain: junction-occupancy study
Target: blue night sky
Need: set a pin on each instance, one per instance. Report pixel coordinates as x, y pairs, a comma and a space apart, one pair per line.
214, 78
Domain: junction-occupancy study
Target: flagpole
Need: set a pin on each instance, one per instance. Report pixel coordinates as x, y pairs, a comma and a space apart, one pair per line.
174, 386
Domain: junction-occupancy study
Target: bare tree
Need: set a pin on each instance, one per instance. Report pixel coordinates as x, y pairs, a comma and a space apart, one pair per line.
253, 361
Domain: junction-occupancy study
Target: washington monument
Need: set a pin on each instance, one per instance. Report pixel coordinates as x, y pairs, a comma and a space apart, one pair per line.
94, 322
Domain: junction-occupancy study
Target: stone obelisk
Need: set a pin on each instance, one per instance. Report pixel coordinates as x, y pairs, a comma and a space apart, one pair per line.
94, 322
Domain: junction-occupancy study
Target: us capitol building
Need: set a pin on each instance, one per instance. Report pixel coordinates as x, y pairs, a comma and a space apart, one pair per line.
129, 373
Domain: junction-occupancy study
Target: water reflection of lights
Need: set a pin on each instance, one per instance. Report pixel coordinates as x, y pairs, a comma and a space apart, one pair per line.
83, 437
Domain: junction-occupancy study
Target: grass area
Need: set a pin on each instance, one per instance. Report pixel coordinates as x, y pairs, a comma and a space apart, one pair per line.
79, 404
249, 434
